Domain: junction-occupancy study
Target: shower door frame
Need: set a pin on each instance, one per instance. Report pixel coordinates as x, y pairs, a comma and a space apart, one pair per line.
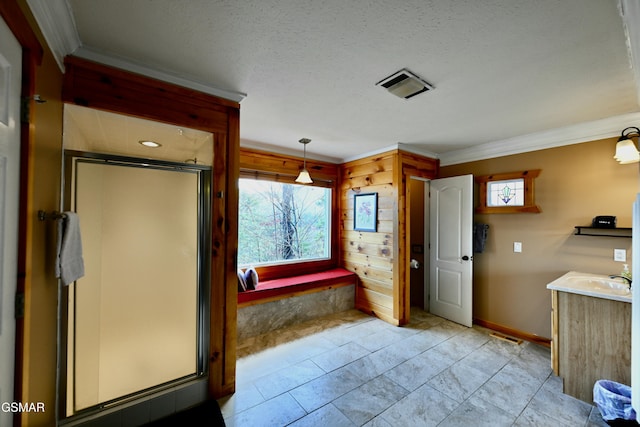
203, 276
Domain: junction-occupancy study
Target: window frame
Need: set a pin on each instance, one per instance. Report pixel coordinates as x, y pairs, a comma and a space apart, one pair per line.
266, 166
529, 205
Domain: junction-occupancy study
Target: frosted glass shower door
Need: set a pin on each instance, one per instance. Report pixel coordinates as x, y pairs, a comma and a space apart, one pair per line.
133, 318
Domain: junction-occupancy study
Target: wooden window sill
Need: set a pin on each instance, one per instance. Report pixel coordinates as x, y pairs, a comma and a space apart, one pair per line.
277, 289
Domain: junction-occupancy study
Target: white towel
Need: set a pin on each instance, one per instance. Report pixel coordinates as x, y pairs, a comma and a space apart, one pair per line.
70, 265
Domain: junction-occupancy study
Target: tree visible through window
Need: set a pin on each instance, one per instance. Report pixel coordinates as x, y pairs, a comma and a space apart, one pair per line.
280, 222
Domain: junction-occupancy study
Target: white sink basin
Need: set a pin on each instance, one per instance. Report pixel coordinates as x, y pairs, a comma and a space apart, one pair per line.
598, 283
594, 285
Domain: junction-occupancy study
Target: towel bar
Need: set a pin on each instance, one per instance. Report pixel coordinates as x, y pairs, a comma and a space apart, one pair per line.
42, 215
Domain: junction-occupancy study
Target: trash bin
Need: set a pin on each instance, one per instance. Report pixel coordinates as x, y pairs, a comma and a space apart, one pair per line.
613, 400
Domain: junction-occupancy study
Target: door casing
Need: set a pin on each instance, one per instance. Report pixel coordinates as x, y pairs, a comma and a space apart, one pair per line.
11, 73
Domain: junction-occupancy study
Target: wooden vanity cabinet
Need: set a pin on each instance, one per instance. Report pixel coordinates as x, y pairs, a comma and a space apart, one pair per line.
591, 340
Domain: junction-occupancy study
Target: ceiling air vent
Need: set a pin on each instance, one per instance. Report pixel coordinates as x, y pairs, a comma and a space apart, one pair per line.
404, 84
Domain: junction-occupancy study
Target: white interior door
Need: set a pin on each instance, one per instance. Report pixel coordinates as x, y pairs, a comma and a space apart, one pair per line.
10, 77
451, 255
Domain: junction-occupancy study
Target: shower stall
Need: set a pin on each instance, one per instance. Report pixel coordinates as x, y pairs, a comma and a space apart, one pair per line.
136, 325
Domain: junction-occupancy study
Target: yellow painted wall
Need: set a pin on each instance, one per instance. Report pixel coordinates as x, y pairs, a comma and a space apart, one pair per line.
577, 182
39, 372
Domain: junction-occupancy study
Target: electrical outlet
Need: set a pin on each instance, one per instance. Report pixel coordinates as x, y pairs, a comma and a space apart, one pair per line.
620, 255
517, 247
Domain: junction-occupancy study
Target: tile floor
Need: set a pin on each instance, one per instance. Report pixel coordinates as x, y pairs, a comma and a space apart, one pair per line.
351, 369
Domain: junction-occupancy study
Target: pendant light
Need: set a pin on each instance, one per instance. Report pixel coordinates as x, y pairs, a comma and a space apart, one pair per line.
304, 177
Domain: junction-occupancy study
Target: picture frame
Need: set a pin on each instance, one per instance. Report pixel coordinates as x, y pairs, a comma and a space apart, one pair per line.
365, 212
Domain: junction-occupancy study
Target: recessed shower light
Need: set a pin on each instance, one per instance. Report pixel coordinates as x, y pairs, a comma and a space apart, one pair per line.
150, 144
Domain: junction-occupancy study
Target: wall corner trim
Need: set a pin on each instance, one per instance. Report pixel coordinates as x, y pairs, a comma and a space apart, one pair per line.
55, 19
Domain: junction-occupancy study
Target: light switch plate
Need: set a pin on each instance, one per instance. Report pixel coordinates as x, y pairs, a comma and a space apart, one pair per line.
620, 255
517, 246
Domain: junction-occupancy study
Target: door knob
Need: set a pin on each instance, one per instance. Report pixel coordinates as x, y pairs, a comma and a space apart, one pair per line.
466, 258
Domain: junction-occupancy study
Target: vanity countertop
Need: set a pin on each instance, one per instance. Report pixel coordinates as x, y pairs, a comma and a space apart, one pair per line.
593, 285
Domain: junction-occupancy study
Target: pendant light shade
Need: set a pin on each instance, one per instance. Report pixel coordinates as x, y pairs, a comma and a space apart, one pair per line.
304, 177
626, 151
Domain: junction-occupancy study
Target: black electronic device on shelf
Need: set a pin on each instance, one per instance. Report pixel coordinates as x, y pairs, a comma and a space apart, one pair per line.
604, 221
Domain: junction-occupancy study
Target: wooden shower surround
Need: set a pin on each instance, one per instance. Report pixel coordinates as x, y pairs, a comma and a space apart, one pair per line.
105, 88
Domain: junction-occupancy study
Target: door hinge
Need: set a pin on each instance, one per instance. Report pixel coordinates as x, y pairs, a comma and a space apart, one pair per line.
25, 103
19, 305
25, 106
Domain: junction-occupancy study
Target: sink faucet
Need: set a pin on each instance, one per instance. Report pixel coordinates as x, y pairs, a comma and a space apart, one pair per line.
626, 279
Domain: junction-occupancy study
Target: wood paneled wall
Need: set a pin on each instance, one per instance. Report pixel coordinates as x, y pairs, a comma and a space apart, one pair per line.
380, 259
279, 164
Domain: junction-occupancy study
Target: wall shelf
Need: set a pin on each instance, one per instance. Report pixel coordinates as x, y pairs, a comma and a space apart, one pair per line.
604, 232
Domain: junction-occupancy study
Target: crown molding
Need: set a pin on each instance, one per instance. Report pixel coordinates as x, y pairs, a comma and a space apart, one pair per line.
275, 149
256, 145
568, 135
411, 149
371, 153
574, 134
156, 73
55, 19
630, 12
399, 146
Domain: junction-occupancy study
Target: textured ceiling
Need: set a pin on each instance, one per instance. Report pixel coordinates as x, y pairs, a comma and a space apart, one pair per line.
501, 68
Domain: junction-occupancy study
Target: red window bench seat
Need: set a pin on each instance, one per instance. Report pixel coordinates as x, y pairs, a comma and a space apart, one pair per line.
287, 287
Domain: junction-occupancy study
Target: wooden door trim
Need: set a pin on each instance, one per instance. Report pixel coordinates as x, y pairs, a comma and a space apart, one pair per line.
32, 54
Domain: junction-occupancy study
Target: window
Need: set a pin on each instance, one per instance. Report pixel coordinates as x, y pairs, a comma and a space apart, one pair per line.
281, 222
507, 193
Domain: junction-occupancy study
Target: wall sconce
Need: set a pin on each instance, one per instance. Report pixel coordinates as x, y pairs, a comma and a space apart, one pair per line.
626, 151
304, 177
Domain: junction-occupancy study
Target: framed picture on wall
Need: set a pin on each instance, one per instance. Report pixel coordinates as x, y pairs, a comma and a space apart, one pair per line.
365, 212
